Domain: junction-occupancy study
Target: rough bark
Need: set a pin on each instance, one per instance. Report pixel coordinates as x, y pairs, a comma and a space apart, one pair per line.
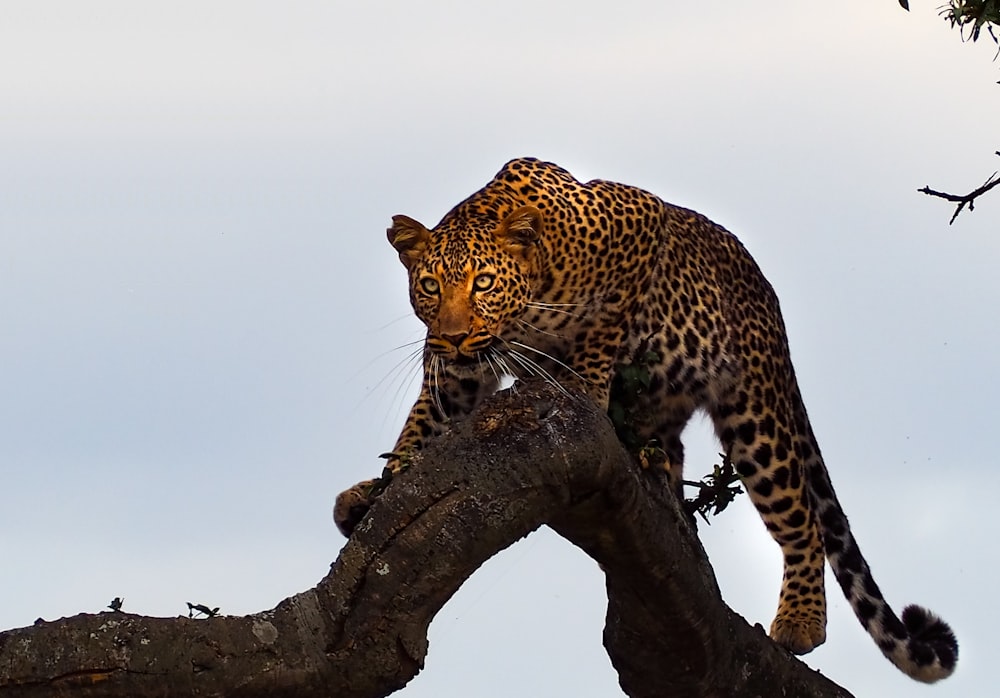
522, 460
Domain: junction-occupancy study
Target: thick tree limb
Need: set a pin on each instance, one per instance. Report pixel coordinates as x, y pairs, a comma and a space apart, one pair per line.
523, 460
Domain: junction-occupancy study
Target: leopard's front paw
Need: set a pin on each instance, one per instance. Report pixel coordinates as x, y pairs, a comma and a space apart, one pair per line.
352, 504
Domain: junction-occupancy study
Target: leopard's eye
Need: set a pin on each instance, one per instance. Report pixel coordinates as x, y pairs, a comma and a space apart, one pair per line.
430, 285
483, 282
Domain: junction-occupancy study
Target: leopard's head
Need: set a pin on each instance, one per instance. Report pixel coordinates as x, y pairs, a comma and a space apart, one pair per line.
470, 278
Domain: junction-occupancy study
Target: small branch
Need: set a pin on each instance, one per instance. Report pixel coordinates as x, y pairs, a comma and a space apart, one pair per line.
966, 199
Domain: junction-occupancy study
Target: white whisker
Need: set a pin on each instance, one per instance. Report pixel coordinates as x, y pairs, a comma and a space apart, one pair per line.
535, 369
539, 330
527, 364
504, 366
385, 353
541, 304
530, 367
400, 377
404, 316
434, 386
405, 374
550, 358
401, 368
489, 362
556, 307
507, 368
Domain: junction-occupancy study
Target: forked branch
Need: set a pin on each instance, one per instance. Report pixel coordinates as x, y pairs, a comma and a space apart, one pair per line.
964, 200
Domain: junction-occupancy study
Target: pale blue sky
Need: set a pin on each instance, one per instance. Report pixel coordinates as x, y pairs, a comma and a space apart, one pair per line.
200, 312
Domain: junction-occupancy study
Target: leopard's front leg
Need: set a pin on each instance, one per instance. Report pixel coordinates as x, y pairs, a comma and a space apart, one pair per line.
443, 398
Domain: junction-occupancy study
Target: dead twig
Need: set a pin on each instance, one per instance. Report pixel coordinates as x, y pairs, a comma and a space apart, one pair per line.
964, 200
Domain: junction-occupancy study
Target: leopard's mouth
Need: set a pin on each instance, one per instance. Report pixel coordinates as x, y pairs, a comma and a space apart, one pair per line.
465, 359
462, 350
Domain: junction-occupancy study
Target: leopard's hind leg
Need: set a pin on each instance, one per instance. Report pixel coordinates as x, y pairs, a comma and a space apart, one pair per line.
764, 441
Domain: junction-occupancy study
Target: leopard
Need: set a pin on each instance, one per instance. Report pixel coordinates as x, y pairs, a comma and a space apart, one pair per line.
539, 274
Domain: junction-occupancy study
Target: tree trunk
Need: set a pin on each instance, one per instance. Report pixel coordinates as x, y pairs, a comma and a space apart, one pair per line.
526, 458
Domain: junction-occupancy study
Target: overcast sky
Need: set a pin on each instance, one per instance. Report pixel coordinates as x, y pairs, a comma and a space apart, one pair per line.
201, 318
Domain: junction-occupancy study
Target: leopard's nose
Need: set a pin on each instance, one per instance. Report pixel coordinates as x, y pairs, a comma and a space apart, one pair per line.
455, 339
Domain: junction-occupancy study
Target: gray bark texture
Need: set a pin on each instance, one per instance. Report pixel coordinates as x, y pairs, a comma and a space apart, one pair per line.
524, 459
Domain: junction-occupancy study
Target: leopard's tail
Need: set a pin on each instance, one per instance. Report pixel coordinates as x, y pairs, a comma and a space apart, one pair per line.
920, 644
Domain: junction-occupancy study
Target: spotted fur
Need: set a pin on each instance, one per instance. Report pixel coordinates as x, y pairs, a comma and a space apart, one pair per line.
538, 273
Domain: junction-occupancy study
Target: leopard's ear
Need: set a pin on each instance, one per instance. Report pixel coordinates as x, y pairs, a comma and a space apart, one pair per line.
521, 230
409, 237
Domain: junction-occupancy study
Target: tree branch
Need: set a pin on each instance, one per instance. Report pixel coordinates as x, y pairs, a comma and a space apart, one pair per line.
964, 199
522, 460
